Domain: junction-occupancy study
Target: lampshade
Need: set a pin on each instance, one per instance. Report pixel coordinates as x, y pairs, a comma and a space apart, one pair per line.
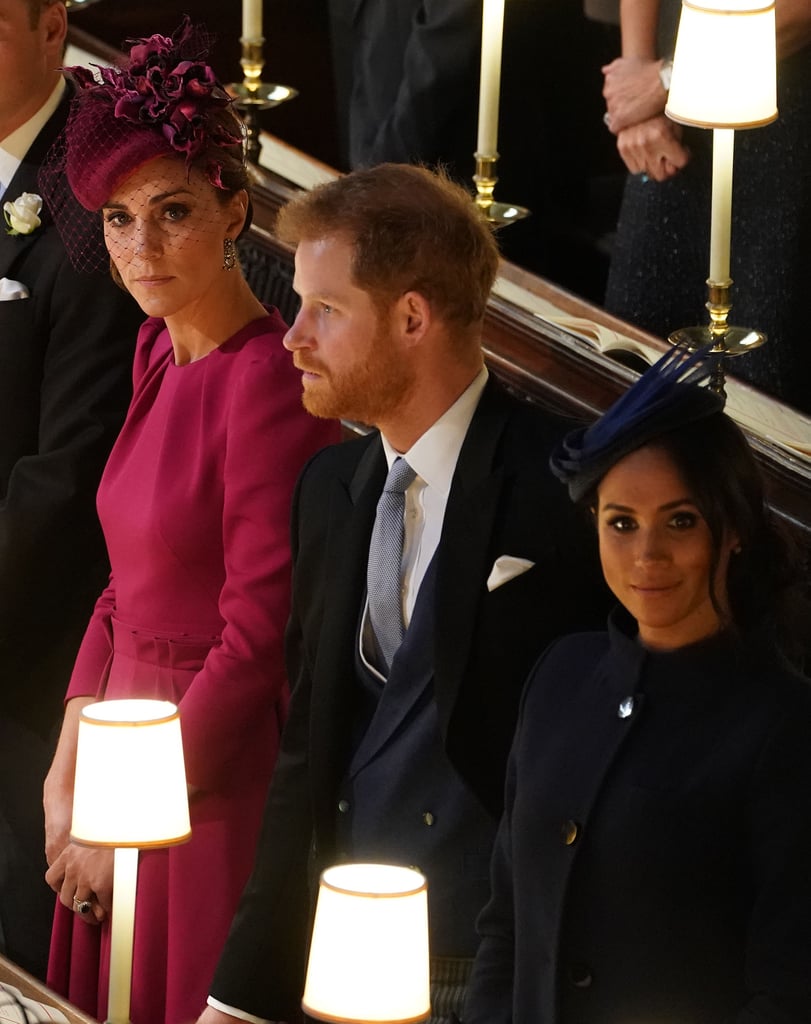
724, 65
369, 952
130, 785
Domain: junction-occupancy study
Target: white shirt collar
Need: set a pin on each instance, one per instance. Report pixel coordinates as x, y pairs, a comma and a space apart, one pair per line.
433, 456
14, 146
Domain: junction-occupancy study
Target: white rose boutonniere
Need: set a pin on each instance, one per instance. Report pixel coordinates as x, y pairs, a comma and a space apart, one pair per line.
22, 216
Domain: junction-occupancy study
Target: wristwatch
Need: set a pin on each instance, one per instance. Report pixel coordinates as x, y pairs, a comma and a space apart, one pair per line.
665, 74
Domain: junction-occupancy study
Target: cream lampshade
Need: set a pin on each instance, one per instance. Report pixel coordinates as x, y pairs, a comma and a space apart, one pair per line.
369, 952
129, 792
724, 66
724, 77
130, 785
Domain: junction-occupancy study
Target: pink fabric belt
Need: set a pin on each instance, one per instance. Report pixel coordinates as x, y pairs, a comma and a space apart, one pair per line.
181, 651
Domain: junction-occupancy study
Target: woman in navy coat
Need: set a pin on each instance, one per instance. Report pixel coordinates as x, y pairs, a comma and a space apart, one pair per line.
653, 864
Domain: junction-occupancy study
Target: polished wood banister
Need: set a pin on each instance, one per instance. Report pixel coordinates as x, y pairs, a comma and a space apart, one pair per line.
32, 988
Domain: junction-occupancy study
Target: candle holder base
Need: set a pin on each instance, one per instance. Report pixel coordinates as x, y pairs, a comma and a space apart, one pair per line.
260, 94
725, 340
252, 94
733, 341
485, 178
250, 97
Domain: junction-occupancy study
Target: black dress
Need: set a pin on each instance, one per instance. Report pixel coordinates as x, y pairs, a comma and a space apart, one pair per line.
652, 865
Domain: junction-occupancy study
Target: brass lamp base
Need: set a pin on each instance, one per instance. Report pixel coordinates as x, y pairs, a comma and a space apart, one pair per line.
485, 180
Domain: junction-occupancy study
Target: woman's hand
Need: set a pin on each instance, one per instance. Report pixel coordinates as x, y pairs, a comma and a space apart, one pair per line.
633, 92
82, 873
653, 147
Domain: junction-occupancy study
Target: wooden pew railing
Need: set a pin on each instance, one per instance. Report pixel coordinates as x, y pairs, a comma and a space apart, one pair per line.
32, 988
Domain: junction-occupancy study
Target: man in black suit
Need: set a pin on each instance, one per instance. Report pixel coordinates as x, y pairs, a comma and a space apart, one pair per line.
66, 342
402, 757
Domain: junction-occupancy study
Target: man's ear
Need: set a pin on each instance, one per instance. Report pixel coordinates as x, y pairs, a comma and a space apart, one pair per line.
413, 317
54, 24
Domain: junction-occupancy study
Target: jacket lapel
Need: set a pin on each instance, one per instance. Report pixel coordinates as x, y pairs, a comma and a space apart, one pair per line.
352, 507
410, 677
465, 548
12, 247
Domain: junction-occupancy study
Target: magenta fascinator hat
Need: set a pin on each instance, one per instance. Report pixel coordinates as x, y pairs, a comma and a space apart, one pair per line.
163, 100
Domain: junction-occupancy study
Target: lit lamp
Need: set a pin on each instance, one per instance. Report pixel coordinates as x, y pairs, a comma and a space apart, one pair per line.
724, 77
252, 94
129, 793
369, 951
486, 155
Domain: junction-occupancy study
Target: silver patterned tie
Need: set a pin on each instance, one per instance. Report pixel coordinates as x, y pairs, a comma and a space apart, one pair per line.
385, 557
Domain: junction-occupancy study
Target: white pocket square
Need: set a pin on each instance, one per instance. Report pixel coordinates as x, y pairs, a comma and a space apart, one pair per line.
12, 289
505, 568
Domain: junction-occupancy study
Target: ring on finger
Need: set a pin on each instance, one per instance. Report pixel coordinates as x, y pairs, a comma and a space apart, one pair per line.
82, 907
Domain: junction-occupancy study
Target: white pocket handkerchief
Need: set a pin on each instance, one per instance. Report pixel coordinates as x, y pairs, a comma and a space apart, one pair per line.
12, 289
505, 568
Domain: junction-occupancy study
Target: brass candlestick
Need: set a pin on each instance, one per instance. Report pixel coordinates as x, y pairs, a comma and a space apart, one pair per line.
252, 94
725, 340
485, 180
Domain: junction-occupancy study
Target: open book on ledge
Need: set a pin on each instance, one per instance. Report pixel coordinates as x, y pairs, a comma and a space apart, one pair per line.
760, 414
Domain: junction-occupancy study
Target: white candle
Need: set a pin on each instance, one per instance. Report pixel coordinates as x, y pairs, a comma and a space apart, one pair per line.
251, 19
723, 142
490, 81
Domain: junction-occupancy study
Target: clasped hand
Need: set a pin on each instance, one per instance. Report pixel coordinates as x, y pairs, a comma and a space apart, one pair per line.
653, 147
648, 141
632, 91
84, 873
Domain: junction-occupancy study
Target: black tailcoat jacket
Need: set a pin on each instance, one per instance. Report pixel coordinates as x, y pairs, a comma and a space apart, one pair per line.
65, 381
653, 865
503, 501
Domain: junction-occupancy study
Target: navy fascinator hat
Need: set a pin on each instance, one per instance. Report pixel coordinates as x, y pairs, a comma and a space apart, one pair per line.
668, 395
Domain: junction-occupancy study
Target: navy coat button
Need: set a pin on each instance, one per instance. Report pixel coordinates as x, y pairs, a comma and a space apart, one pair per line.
343, 806
569, 831
626, 708
428, 818
580, 975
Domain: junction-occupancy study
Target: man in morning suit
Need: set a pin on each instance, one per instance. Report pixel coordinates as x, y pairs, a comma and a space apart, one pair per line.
66, 343
401, 757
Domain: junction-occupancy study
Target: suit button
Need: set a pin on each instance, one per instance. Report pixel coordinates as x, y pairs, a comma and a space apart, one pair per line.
428, 818
569, 831
626, 708
343, 806
580, 975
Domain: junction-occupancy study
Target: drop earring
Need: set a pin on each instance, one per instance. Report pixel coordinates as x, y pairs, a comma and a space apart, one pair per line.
229, 254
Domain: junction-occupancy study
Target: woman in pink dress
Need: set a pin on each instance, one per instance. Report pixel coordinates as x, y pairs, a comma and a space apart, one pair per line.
194, 504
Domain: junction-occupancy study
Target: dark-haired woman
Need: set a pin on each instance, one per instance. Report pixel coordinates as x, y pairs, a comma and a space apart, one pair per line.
194, 504
652, 865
